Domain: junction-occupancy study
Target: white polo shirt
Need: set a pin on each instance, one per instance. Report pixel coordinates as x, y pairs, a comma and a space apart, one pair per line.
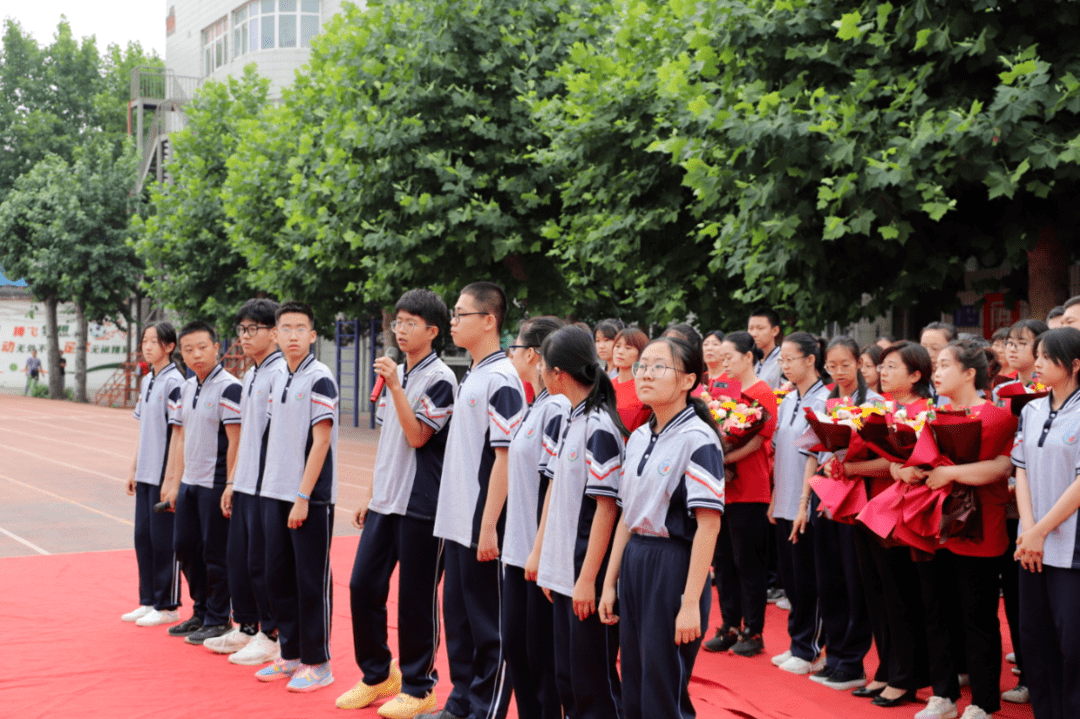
159, 399
205, 410
254, 407
791, 425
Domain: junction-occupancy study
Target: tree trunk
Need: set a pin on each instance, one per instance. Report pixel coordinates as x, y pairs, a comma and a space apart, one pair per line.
52, 325
1048, 273
82, 330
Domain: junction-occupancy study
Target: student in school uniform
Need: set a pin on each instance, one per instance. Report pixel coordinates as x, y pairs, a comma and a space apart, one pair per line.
207, 436
299, 491
764, 327
574, 536
1047, 458
605, 334
739, 562
254, 639
961, 583
527, 614
159, 394
803, 361
472, 496
672, 496
398, 518
629, 344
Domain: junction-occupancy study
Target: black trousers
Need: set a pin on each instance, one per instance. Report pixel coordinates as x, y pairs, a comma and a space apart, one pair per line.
201, 541
1010, 593
390, 540
247, 564
527, 626
298, 579
472, 604
841, 601
891, 585
1050, 635
796, 563
159, 572
656, 671
739, 563
964, 591
585, 670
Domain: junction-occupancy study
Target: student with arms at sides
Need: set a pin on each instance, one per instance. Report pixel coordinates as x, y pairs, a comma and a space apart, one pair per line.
574, 538
764, 326
527, 620
889, 576
739, 562
1047, 458
803, 358
672, 496
398, 519
489, 406
604, 334
869, 359
629, 344
159, 397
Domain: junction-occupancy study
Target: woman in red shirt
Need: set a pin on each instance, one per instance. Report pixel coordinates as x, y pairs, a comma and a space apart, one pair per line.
629, 343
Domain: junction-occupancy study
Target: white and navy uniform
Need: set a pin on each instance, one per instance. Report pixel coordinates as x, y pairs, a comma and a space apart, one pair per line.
399, 529
159, 573
298, 576
768, 369
527, 614
667, 477
247, 540
201, 532
1047, 447
588, 464
796, 561
489, 406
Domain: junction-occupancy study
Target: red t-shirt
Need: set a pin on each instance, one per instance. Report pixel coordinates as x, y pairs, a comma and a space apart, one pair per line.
877, 485
631, 411
752, 482
715, 386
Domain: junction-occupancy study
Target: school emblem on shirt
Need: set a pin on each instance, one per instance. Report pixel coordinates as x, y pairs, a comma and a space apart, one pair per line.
209, 404
665, 467
573, 455
299, 395
530, 433
472, 401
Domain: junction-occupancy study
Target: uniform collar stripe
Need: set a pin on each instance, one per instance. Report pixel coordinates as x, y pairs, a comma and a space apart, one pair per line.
213, 373
428, 360
270, 359
493, 357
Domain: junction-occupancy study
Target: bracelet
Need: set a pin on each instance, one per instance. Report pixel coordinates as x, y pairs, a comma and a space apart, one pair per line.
227, 484
301, 495
804, 499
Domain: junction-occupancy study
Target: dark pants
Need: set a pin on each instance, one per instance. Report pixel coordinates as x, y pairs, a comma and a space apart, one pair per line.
390, 540
585, 670
1010, 593
201, 541
247, 564
891, 584
528, 645
841, 602
656, 671
964, 591
739, 565
159, 573
1050, 634
298, 579
796, 562
472, 606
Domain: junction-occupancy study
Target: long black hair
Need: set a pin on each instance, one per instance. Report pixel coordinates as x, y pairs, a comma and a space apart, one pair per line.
535, 330
810, 345
971, 355
853, 347
573, 350
693, 362
166, 335
1061, 345
744, 342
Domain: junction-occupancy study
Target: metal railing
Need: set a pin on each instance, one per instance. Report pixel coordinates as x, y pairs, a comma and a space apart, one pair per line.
152, 83
168, 118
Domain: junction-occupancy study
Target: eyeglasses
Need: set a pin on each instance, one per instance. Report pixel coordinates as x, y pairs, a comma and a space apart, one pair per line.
657, 370
830, 368
511, 348
455, 315
1013, 345
789, 360
250, 330
290, 330
409, 326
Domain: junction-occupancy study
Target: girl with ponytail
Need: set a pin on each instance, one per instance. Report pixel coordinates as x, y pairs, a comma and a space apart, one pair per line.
672, 495
573, 543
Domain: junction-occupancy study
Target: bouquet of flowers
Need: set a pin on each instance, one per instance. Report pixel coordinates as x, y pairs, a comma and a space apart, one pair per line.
783, 391
1014, 396
893, 433
843, 497
740, 420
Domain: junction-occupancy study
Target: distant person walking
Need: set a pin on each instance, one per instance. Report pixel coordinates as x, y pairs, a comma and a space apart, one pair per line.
32, 369
63, 372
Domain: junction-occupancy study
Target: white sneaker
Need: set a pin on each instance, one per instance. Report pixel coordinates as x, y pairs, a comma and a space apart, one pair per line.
795, 665
1016, 671
1017, 695
781, 658
964, 679
158, 617
1011, 657
938, 708
974, 712
136, 614
234, 641
260, 650
784, 604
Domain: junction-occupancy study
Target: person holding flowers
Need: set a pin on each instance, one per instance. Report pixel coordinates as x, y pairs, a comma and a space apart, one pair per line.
1020, 354
1047, 459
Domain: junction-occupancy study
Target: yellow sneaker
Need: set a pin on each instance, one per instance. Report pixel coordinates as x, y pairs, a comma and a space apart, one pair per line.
362, 694
406, 706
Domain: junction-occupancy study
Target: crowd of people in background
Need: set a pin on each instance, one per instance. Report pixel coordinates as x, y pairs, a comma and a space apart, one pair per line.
573, 496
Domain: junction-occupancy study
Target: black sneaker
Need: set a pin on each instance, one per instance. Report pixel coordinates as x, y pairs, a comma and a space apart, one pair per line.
822, 676
185, 628
725, 639
749, 645
210, 632
842, 681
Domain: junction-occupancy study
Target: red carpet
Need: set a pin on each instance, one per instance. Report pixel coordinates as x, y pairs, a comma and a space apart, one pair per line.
70, 656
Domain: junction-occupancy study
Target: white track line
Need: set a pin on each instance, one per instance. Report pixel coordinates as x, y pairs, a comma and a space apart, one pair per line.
67, 443
65, 499
63, 464
20, 540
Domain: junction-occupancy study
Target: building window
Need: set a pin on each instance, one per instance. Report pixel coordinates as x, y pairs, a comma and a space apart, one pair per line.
215, 40
271, 24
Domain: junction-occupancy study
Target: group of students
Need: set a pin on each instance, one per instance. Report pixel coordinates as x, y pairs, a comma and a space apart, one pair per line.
568, 494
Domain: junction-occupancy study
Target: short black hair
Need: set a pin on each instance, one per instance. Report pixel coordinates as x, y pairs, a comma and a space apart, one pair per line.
684, 331
1069, 303
1062, 345
1056, 312
1001, 334
946, 328
259, 310
768, 313
609, 328
198, 326
166, 333
490, 298
426, 305
295, 307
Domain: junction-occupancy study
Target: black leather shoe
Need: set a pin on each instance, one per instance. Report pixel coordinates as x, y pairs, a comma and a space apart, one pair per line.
880, 701
208, 632
185, 628
864, 693
725, 639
